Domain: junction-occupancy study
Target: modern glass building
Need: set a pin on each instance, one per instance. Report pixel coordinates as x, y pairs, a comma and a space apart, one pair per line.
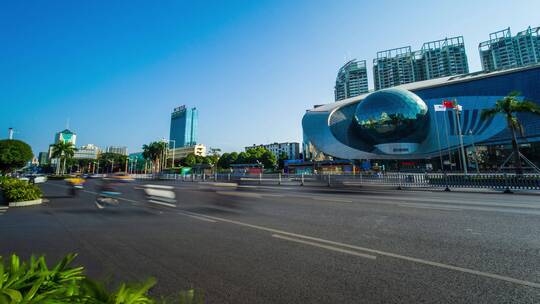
184, 123
504, 51
351, 80
401, 122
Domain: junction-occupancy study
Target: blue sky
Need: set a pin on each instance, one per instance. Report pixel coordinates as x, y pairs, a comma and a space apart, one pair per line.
116, 69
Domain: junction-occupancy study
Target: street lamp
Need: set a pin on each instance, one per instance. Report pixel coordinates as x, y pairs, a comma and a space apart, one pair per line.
457, 112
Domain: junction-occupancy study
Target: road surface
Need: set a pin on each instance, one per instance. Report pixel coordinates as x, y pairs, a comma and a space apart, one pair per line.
290, 244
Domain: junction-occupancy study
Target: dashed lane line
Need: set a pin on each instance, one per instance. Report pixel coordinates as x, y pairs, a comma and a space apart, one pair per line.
378, 252
332, 248
197, 217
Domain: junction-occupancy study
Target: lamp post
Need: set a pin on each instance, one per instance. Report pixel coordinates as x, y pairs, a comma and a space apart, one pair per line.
460, 134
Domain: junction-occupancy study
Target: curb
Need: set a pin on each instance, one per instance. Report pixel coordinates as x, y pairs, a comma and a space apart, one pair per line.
26, 203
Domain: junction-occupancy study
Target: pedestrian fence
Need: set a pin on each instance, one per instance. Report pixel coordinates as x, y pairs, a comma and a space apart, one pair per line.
399, 180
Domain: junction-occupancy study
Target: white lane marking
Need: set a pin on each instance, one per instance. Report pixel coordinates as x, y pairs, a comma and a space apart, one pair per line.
273, 195
420, 206
3, 207
367, 256
162, 203
241, 194
331, 199
379, 252
198, 217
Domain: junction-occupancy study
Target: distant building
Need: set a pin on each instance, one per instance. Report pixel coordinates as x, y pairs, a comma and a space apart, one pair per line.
292, 149
182, 152
439, 58
117, 150
89, 151
184, 124
43, 158
393, 67
504, 51
65, 136
351, 80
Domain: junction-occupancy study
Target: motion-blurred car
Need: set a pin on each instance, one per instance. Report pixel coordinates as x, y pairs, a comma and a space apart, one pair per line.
121, 177
33, 178
39, 178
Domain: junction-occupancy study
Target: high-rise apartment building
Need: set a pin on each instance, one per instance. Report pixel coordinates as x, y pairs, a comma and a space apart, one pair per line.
504, 51
351, 80
439, 58
393, 67
184, 123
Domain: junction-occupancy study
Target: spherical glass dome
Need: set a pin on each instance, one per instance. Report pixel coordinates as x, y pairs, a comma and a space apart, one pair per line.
392, 116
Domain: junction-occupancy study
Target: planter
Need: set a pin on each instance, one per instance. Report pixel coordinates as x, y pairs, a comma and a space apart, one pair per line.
26, 203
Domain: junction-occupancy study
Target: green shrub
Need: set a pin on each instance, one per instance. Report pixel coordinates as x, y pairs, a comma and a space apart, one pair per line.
34, 282
15, 190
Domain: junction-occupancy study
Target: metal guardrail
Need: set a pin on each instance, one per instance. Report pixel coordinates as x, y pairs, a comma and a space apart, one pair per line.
495, 181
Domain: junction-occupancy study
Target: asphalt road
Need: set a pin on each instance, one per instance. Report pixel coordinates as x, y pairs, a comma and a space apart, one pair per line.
295, 244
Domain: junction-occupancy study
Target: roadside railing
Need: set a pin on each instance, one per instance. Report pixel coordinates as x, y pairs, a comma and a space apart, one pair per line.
399, 180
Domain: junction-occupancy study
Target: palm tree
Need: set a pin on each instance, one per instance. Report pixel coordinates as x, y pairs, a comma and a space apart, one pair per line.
63, 150
155, 153
509, 106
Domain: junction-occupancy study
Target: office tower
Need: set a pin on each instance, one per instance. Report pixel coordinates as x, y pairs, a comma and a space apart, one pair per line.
184, 123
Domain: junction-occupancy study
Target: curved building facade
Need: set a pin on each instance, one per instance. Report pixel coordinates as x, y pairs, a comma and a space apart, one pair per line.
401, 122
